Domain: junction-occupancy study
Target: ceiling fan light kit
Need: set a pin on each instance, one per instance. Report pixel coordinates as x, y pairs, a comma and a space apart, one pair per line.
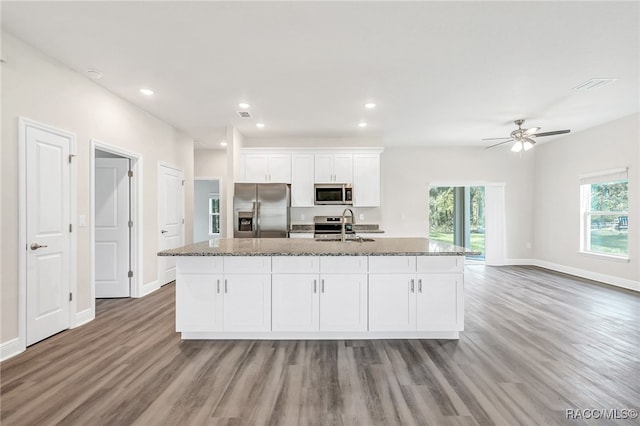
524, 137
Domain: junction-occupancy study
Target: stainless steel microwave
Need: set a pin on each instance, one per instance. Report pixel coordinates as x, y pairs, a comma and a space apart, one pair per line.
333, 193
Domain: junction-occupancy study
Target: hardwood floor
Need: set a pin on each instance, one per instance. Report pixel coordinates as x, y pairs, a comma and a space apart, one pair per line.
535, 344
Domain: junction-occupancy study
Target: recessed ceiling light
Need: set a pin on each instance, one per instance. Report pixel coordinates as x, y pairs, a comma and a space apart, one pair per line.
362, 124
146, 91
223, 143
260, 125
370, 105
244, 105
94, 73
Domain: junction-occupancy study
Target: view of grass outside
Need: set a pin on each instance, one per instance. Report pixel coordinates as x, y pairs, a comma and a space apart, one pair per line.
607, 218
477, 240
442, 216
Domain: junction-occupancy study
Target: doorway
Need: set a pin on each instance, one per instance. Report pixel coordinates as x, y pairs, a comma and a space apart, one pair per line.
47, 258
111, 220
457, 216
207, 218
115, 223
171, 226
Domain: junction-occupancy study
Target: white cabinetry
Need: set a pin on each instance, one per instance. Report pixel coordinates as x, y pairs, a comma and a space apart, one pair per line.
302, 180
343, 293
366, 180
319, 294
295, 294
266, 167
429, 300
217, 294
331, 168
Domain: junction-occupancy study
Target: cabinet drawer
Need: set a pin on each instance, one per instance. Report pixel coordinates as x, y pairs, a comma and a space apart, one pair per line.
296, 264
428, 264
247, 264
199, 265
390, 264
343, 264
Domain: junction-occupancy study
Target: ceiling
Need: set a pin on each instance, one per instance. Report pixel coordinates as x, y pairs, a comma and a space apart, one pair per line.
441, 73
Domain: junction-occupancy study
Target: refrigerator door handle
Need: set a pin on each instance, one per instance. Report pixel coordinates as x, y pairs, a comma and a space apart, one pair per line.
257, 210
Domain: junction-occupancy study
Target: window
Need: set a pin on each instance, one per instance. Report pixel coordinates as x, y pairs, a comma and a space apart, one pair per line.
456, 216
214, 214
604, 213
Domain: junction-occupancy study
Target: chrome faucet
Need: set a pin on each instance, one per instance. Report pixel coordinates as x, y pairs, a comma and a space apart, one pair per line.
344, 222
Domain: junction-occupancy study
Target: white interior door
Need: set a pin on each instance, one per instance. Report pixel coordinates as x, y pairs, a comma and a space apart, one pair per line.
112, 227
170, 219
48, 218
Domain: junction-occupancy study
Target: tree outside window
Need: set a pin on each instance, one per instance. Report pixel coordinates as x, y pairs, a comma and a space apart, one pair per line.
214, 214
605, 218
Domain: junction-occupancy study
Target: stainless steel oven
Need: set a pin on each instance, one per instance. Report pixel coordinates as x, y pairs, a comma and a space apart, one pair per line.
330, 227
333, 193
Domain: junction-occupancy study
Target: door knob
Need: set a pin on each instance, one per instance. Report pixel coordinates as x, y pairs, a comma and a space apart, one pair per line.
164, 232
36, 246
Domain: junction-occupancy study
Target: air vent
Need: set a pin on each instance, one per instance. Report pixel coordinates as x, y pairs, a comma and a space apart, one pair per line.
244, 114
595, 83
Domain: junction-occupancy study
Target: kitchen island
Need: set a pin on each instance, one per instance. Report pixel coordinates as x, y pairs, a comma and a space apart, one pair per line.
277, 288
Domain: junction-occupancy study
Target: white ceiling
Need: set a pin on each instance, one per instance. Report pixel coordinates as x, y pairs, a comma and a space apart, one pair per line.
441, 73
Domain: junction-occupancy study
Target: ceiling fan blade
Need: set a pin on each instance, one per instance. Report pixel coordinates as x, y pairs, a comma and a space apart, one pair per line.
555, 132
494, 139
531, 131
499, 143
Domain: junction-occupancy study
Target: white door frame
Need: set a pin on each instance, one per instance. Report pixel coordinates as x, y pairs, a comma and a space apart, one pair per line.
182, 207
221, 196
136, 214
74, 321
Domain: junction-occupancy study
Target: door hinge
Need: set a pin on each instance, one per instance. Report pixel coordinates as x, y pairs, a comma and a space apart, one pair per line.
130, 173
130, 224
70, 296
130, 274
71, 156
70, 228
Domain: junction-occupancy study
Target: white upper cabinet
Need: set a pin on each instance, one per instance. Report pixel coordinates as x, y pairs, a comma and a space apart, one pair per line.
302, 179
330, 168
366, 180
266, 167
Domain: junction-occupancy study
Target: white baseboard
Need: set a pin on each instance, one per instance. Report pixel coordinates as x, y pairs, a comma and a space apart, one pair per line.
148, 288
84, 317
11, 348
582, 273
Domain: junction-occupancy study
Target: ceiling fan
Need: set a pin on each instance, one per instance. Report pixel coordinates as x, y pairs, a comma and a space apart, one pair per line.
524, 138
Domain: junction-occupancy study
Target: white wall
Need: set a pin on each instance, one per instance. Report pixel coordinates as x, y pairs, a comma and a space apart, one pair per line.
39, 88
202, 189
558, 166
408, 172
213, 163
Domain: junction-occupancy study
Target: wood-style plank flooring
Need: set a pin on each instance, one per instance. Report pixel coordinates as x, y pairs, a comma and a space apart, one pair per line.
536, 343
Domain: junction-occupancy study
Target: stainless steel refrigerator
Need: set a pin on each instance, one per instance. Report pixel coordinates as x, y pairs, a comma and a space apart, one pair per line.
261, 210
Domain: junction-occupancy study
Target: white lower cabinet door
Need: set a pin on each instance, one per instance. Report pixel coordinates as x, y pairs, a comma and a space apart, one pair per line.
295, 302
392, 302
247, 302
343, 302
440, 302
198, 302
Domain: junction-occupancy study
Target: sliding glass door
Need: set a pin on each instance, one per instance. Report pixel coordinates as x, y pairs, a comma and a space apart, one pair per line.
456, 216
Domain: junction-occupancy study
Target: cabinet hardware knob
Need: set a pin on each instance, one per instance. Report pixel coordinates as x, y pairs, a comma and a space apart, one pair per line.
413, 283
315, 283
322, 285
420, 285
226, 289
218, 286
